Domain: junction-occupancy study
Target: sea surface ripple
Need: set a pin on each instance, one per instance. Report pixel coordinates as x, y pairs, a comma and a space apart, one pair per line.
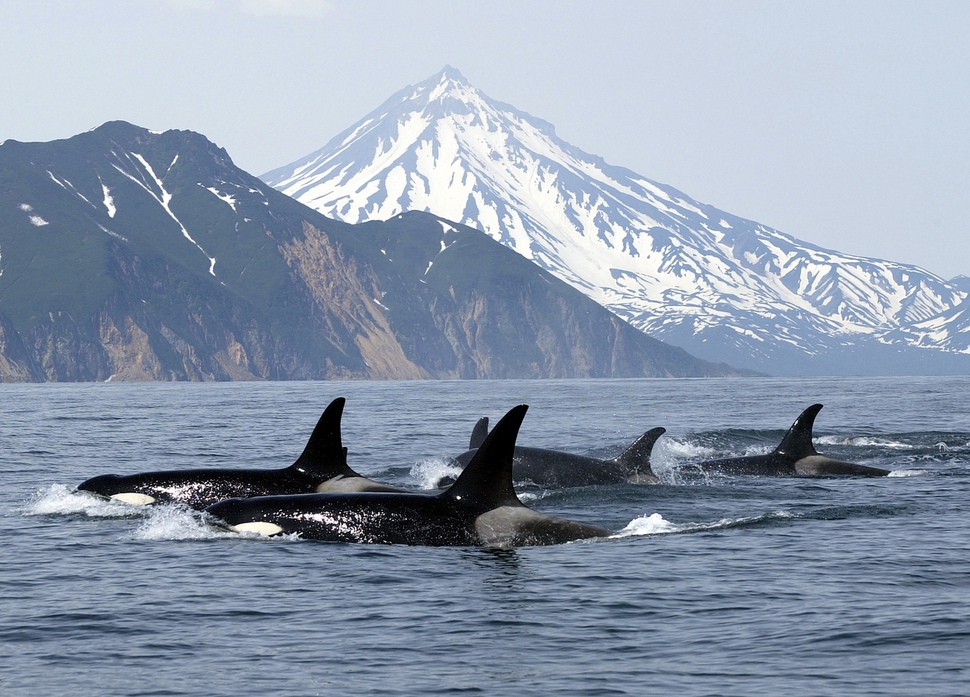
712, 585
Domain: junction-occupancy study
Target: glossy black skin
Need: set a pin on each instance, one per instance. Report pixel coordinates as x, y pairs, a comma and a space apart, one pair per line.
794, 457
410, 519
402, 519
323, 464
554, 469
480, 509
199, 488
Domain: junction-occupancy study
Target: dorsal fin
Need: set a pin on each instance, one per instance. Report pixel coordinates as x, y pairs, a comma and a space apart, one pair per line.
486, 482
636, 458
797, 443
324, 456
478, 434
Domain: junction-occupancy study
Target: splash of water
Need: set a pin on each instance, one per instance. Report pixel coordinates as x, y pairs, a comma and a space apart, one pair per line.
655, 524
176, 522
59, 499
864, 442
427, 473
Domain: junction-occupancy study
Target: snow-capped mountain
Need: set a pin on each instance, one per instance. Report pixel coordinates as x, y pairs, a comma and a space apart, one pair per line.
723, 287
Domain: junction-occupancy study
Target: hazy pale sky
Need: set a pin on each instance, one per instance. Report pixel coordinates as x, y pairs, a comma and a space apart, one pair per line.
843, 123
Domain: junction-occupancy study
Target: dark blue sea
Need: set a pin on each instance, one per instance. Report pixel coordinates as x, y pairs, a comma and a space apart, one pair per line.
713, 586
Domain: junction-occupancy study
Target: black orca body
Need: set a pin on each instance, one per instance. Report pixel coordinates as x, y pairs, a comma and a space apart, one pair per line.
479, 509
794, 457
321, 467
554, 469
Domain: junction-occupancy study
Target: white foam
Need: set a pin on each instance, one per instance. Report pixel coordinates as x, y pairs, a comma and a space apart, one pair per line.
908, 473
655, 524
173, 522
427, 473
690, 474
672, 447
668, 454
59, 499
864, 442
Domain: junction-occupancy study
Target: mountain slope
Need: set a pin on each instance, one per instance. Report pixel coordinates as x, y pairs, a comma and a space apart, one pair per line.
722, 286
101, 276
127, 254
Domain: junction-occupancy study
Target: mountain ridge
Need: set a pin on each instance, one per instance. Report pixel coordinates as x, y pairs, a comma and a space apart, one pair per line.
680, 270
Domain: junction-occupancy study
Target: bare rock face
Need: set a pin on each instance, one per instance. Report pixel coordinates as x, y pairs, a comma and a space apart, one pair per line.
15, 361
466, 307
131, 255
350, 290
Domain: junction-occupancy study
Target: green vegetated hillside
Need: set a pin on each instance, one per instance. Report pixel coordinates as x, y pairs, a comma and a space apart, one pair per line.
127, 254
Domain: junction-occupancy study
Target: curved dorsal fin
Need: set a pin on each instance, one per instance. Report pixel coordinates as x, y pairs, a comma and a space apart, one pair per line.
324, 456
797, 443
478, 434
486, 482
636, 458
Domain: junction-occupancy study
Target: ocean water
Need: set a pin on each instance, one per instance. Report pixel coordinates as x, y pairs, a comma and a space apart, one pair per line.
713, 586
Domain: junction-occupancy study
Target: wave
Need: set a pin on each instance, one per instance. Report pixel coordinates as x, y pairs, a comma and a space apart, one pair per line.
672, 458
427, 473
59, 499
680, 449
177, 522
160, 522
685, 449
865, 442
655, 524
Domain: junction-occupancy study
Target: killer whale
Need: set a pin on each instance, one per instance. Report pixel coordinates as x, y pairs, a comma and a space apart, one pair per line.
554, 469
795, 456
479, 509
322, 466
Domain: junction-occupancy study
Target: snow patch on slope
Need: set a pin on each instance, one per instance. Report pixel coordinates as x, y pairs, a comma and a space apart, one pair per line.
164, 198
225, 198
107, 200
35, 220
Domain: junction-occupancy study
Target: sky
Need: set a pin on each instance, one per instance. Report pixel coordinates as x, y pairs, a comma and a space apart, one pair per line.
844, 124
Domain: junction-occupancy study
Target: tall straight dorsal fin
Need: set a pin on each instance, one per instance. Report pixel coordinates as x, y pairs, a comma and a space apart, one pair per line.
797, 443
637, 456
324, 456
486, 482
478, 434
